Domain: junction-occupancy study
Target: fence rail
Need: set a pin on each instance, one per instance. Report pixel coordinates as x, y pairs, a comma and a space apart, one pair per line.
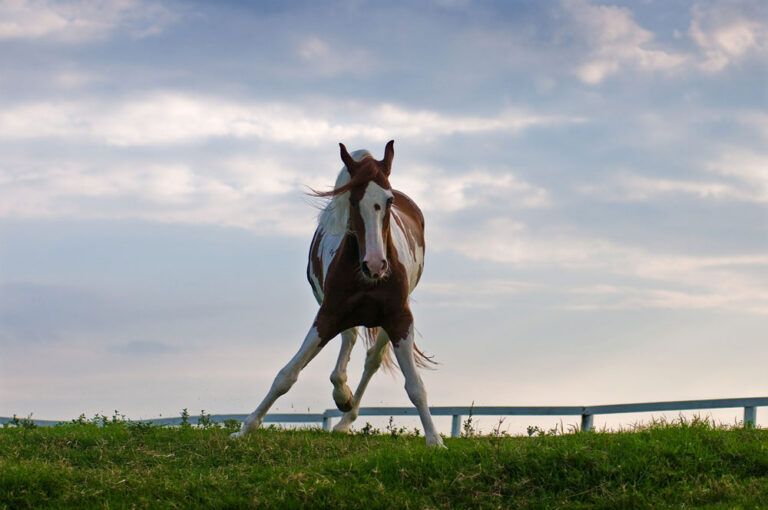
587, 413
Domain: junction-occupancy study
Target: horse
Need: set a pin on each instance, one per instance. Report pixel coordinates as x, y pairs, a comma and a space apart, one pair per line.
365, 259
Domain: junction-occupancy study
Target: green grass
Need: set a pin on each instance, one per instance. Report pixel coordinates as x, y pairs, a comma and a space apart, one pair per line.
120, 465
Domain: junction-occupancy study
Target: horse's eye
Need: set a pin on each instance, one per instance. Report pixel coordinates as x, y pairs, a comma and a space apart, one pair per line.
389, 201
353, 203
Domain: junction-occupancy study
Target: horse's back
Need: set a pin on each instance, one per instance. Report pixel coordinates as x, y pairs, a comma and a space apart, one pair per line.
407, 233
321, 252
409, 208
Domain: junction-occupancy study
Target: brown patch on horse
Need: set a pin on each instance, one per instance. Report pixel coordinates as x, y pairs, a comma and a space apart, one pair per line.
404, 203
351, 300
315, 263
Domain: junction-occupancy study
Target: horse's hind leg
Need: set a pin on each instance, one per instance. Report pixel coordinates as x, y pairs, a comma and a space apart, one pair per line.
372, 363
284, 380
342, 395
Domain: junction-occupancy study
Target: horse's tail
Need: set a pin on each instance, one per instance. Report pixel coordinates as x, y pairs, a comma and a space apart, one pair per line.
387, 360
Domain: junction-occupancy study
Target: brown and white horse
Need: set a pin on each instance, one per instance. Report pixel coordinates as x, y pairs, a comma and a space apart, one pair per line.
366, 257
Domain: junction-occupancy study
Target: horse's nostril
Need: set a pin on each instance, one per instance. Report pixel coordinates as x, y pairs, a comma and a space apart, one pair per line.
377, 271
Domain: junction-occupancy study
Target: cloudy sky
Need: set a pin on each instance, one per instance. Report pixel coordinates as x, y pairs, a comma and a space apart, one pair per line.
594, 177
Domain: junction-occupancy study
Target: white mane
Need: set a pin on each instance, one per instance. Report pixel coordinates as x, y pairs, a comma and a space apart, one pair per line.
334, 218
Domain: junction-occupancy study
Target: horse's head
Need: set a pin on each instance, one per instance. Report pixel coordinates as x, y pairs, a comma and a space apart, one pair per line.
370, 203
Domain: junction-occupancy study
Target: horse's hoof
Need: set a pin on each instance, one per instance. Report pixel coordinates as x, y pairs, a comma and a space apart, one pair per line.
436, 442
249, 425
341, 428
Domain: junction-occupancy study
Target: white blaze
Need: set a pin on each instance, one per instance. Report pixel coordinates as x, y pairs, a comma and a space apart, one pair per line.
373, 207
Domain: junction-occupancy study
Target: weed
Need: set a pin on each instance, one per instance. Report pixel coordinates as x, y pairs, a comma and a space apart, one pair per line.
185, 419
497, 432
205, 420
103, 420
554, 431
139, 427
80, 420
24, 423
232, 424
393, 430
369, 430
468, 427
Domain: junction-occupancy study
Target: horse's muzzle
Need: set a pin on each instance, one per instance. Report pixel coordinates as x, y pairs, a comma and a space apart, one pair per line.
374, 270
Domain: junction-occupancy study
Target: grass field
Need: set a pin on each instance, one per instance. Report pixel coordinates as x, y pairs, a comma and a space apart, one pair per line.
122, 465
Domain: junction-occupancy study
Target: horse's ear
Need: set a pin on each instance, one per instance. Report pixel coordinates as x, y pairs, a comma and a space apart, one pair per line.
346, 158
389, 154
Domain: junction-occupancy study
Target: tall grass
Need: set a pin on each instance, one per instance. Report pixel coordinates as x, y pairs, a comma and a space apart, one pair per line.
111, 463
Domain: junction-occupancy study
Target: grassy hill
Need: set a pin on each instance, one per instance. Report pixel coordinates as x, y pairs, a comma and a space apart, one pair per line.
121, 465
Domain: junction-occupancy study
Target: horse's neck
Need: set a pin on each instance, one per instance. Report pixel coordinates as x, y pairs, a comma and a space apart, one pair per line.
348, 249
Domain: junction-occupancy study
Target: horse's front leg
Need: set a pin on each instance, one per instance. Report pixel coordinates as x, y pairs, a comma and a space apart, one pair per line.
285, 380
342, 395
372, 364
414, 386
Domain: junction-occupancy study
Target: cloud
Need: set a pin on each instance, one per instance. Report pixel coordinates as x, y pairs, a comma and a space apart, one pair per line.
313, 48
757, 121
321, 57
615, 41
118, 316
80, 21
727, 32
260, 191
734, 282
250, 194
472, 189
611, 297
747, 168
639, 188
479, 293
652, 279
726, 174
173, 117
145, 348
507, 240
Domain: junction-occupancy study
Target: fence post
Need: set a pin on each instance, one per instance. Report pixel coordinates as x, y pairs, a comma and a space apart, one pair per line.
456, 426
750, 416
586, 422
327, 423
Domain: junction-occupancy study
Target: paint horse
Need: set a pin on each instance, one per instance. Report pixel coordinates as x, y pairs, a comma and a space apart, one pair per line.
366, 257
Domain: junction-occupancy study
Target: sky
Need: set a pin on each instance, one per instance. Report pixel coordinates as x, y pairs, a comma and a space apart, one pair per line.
594, 177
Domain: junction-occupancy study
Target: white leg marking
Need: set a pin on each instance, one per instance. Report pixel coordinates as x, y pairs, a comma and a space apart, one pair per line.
415, 388
372, 364
342, 395
283, 382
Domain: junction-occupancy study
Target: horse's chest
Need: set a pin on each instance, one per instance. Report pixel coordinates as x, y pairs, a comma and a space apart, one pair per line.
366, 309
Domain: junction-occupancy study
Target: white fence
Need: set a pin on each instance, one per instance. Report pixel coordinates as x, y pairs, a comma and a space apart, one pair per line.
587, 413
